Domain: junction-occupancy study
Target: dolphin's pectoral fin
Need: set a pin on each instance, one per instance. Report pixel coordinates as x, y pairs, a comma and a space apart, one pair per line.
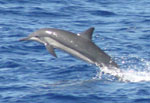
51, 50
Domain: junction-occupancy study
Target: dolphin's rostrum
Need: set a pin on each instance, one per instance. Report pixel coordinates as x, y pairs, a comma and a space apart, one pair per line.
79, 45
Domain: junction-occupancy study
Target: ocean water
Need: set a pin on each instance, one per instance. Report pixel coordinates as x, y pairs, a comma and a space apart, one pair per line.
29, 74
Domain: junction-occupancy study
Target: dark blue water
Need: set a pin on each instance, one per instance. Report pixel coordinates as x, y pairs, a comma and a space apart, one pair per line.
29, 74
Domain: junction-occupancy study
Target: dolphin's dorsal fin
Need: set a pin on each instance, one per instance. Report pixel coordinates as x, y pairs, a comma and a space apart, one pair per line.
87, 34
51, 50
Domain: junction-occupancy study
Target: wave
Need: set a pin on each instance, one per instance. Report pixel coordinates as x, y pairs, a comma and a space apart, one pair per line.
102, 13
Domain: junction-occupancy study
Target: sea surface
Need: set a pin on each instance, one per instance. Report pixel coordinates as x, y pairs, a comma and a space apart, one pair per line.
29, 74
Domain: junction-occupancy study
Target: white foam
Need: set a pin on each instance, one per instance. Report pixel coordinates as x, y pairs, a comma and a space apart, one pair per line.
128, 74
135, 76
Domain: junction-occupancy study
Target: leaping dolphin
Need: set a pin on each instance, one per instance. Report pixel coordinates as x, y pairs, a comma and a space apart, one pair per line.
79, 45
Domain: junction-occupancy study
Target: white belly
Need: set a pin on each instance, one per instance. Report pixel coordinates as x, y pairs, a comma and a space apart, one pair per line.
56, 44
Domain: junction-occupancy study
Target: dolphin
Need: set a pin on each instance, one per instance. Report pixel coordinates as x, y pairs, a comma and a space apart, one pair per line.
79, 45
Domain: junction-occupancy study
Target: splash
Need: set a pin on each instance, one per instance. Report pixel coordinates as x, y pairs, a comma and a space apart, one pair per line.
135, 76
130, 74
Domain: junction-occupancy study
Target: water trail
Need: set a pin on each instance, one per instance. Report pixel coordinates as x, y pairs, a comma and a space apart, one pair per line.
126, 75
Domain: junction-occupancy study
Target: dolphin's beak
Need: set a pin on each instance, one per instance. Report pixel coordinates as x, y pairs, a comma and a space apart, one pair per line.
24, 39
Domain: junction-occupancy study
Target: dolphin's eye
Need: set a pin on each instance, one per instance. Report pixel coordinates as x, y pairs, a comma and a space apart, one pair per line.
36, 36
